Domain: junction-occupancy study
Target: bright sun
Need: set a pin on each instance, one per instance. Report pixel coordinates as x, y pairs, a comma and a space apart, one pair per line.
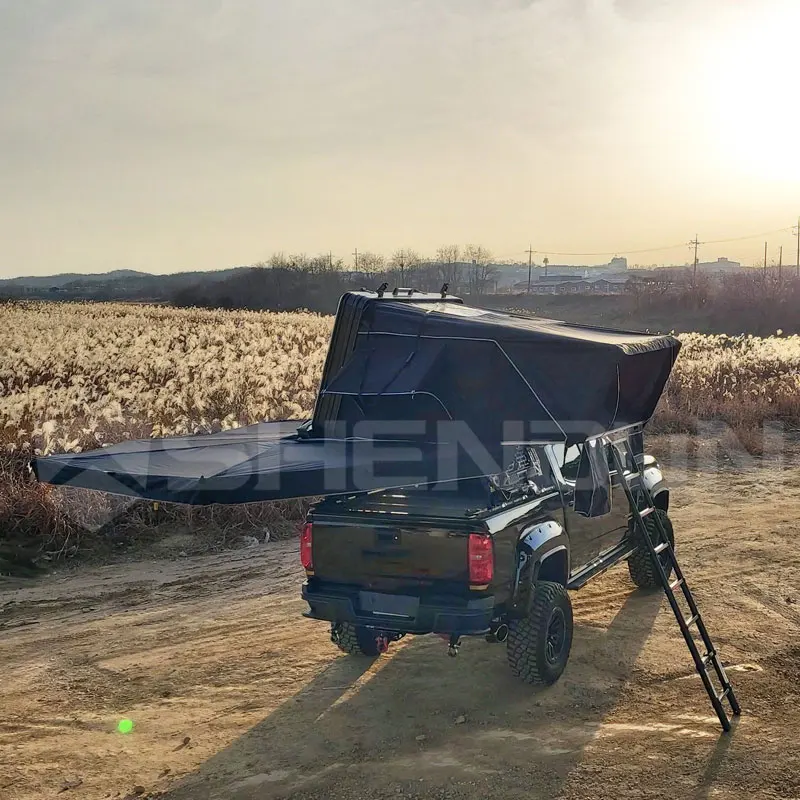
751, 88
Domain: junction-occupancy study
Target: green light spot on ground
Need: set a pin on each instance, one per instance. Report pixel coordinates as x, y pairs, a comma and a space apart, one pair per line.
125, 726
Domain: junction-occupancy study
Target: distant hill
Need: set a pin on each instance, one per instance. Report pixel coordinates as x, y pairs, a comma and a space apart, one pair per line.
46, 281
119, 284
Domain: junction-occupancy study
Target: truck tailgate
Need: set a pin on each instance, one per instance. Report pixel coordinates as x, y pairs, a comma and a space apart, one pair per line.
389, 554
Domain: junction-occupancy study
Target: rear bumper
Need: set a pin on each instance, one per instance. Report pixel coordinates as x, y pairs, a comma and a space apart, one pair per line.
452, 615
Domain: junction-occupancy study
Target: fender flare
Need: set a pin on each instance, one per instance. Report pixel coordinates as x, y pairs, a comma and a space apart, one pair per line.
536, 544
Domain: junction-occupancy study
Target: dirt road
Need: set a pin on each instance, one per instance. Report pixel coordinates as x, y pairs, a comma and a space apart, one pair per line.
234, 695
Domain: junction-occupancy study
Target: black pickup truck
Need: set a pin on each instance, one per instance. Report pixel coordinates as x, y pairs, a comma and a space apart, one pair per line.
474, 465
497, 422
493, 558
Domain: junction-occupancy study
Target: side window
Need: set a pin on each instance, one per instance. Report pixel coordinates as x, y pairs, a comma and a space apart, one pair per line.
572, 458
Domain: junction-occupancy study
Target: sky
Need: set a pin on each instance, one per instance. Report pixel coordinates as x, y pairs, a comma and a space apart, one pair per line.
203, 134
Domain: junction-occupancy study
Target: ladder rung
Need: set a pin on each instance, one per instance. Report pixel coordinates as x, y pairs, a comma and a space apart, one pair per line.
675, 584
691, 620
708, 658
724, 693
646, 512
660, 548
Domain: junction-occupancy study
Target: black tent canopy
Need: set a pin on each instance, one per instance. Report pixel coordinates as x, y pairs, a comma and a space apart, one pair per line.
415, 389
489, 370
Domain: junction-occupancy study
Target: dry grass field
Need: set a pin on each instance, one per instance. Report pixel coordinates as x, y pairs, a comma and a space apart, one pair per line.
77, 375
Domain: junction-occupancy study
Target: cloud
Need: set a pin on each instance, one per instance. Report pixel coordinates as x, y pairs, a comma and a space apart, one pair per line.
304, 125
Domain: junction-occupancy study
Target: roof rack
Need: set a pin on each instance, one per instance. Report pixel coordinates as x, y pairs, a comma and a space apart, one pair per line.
407, 293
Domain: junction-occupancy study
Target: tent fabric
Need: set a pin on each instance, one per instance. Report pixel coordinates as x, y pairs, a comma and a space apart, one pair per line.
413, 391
486, 369
593, 482
267, 461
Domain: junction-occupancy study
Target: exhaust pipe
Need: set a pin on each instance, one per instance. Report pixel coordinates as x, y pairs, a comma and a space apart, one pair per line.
498, 634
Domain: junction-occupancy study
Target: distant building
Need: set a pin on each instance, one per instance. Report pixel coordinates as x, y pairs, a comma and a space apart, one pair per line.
609, 285
618, 264
720, 265
561, 270
572, 284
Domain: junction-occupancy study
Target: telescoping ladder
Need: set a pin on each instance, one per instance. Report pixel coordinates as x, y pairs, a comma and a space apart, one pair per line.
662, 547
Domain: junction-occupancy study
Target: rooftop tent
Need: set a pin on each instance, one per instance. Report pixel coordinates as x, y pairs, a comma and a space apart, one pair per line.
415, 389
443, 362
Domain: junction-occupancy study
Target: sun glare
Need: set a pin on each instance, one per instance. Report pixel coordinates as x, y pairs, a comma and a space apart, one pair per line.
751, 73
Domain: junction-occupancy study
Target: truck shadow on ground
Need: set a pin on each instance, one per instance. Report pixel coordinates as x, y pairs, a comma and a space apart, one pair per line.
418, 723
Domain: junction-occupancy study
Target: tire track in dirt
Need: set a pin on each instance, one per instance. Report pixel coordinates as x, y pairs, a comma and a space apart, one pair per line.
215, 649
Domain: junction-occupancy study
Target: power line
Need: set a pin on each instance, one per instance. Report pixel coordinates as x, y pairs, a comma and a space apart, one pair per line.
753, 236
656, 249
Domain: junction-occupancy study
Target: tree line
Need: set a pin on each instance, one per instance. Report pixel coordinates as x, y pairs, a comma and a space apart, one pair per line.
757, 301
286, 282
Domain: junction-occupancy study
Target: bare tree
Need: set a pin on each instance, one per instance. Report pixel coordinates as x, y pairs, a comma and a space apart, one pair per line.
448, 258
482, 272
323, 263
277, 261
402, 264
637, 288
371, 264
427, 277
299, 261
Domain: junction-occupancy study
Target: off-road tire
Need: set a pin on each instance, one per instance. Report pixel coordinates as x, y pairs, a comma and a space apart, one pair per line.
529, 655
640, 563
354, 640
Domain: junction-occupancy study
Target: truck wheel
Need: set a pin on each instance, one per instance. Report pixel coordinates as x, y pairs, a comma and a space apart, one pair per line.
640, 564
355, 640
539, 644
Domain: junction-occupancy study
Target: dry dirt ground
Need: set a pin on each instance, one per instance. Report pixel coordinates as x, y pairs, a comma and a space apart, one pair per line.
235, 695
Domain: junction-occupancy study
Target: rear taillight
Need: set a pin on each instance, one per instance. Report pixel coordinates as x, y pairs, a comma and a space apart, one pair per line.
305, 548
481, 559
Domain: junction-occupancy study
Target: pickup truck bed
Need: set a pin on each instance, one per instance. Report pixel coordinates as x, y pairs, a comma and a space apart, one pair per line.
402, 557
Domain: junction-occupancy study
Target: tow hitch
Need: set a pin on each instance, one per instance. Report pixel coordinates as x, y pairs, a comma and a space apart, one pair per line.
453, 643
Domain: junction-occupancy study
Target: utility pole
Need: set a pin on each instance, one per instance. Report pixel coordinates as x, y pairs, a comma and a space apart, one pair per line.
696, 244
797, 234
545, 261
330, 260
355, 264
780, 266
530, 263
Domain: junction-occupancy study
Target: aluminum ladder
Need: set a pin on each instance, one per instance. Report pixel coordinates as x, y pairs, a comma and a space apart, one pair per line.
709, 663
